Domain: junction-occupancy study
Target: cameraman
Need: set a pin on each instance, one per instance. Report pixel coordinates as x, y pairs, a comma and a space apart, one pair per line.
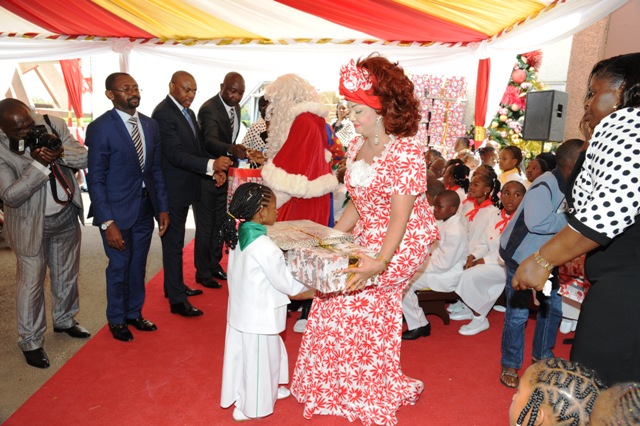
41, 221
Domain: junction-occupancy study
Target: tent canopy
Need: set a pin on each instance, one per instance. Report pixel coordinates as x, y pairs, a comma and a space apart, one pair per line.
271, 37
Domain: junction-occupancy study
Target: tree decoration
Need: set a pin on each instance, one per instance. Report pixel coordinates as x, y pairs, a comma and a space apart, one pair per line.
506, 126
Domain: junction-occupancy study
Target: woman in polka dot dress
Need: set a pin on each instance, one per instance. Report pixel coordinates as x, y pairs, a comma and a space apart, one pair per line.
349, 358
604, 223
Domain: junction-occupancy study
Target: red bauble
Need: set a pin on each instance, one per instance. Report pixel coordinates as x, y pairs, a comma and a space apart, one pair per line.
519, 76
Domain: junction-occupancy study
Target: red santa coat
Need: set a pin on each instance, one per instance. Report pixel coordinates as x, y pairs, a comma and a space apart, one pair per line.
300, 173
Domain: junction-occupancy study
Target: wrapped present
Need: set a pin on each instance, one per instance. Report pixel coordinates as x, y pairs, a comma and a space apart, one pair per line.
319, 266
304, 233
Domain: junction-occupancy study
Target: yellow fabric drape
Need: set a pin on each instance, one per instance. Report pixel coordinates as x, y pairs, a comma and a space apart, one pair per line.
173, 19
487, 17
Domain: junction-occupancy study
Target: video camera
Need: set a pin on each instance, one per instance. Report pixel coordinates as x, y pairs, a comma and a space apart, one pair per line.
39, 137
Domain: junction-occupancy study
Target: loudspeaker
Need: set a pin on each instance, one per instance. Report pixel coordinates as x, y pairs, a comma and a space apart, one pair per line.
545, 115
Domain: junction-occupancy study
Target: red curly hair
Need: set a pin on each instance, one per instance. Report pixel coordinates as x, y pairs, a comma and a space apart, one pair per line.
400, 108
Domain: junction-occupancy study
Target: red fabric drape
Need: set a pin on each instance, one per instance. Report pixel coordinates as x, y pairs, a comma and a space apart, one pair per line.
482, 95
387, 20
73, 17
73, 81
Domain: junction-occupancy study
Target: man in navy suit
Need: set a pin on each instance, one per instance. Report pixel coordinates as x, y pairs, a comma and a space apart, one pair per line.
127, 190
184, 164
219, 119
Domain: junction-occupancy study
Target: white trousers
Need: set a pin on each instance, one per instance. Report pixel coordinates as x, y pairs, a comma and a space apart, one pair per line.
254, 366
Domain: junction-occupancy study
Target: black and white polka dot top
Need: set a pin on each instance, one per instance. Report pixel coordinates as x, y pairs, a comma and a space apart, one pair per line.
606, 193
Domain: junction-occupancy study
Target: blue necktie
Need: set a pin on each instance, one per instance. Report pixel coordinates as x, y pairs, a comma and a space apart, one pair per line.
186, 114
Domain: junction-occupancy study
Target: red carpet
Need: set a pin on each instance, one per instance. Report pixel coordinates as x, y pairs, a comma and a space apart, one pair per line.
172, 376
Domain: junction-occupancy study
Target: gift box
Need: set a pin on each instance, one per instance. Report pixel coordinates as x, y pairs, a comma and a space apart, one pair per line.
319, 266
304, 233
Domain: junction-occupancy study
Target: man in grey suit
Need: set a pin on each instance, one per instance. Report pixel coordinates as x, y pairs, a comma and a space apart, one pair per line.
219, 119
42, 204
184, 164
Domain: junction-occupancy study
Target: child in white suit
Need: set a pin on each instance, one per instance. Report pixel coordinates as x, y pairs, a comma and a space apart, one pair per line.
255, 358
443, 267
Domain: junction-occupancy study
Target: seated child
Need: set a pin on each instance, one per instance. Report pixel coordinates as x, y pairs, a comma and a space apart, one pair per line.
434, 187
509, 163
555, 391
443, 266
618, 405
255, 358
482, 281
535, 169
456, 178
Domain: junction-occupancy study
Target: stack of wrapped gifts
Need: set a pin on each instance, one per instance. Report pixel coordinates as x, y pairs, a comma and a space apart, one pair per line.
315, 254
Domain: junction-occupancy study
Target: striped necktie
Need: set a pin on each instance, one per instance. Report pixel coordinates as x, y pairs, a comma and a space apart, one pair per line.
137, 140
232, 118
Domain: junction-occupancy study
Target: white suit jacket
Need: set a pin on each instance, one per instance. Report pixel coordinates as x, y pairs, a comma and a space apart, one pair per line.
259, 282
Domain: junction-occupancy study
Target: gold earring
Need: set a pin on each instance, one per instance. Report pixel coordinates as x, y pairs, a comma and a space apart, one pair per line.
615, 106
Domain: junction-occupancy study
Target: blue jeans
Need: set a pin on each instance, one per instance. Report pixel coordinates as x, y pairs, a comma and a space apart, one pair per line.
515, 318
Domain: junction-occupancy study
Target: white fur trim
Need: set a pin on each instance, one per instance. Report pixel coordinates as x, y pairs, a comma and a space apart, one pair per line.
288, 185
328, 156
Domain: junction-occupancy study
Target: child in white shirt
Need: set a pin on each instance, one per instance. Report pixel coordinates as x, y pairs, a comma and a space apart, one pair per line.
255, 358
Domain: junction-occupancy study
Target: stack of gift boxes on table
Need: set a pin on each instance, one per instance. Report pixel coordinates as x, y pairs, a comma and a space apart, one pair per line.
315, 254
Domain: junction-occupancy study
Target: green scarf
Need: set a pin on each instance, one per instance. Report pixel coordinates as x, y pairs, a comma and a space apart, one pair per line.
248, 232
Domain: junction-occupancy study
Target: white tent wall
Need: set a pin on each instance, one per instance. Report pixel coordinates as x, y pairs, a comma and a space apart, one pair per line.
151, 64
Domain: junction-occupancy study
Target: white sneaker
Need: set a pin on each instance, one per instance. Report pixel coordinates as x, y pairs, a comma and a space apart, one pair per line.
565, 326
477, 325
300, 326
455, 307
283, 392
499, 308
462, 314
238, 415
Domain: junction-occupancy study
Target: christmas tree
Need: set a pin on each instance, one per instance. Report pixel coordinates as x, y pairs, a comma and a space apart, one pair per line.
506, 126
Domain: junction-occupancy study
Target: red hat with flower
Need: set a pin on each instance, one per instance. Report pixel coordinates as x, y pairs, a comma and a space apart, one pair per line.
356, 85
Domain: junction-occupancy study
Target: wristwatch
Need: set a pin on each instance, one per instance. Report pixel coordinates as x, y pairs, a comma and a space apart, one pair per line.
105, 225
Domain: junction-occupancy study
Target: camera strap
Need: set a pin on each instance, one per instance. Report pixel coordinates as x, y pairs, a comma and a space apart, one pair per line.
56, 175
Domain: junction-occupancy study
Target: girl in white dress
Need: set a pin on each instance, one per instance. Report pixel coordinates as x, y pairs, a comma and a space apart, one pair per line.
255, 358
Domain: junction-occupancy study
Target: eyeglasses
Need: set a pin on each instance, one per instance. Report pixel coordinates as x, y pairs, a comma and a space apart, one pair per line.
128, 90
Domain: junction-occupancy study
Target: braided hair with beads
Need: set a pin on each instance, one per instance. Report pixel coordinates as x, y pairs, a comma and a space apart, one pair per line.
247, 200
568, 387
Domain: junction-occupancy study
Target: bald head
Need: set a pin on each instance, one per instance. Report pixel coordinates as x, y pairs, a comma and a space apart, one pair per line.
15, 118
183, 88
232, 88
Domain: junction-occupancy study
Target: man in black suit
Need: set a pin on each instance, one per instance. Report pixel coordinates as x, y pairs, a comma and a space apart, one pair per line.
219, 119
185, 164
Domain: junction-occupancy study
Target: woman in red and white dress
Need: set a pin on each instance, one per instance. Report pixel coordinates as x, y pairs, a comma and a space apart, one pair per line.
349, 359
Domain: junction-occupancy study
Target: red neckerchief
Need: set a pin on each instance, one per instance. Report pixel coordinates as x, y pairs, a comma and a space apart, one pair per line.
477, 207
505, 220
454, 187
467, 199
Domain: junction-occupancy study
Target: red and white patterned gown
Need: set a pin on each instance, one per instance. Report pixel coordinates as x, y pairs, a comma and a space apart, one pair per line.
349, 358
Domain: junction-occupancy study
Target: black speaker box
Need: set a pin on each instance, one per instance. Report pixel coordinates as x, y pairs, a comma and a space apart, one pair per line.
545, 115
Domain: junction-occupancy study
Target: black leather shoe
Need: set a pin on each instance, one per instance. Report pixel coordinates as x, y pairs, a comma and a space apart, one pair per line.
192, 291
185, 309
121, 332
208, 283
189, 292
220, 274
142, 324
37, 358
76, 331
418, 332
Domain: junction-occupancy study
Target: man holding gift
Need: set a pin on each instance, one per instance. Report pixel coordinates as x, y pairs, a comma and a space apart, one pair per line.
298, 168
